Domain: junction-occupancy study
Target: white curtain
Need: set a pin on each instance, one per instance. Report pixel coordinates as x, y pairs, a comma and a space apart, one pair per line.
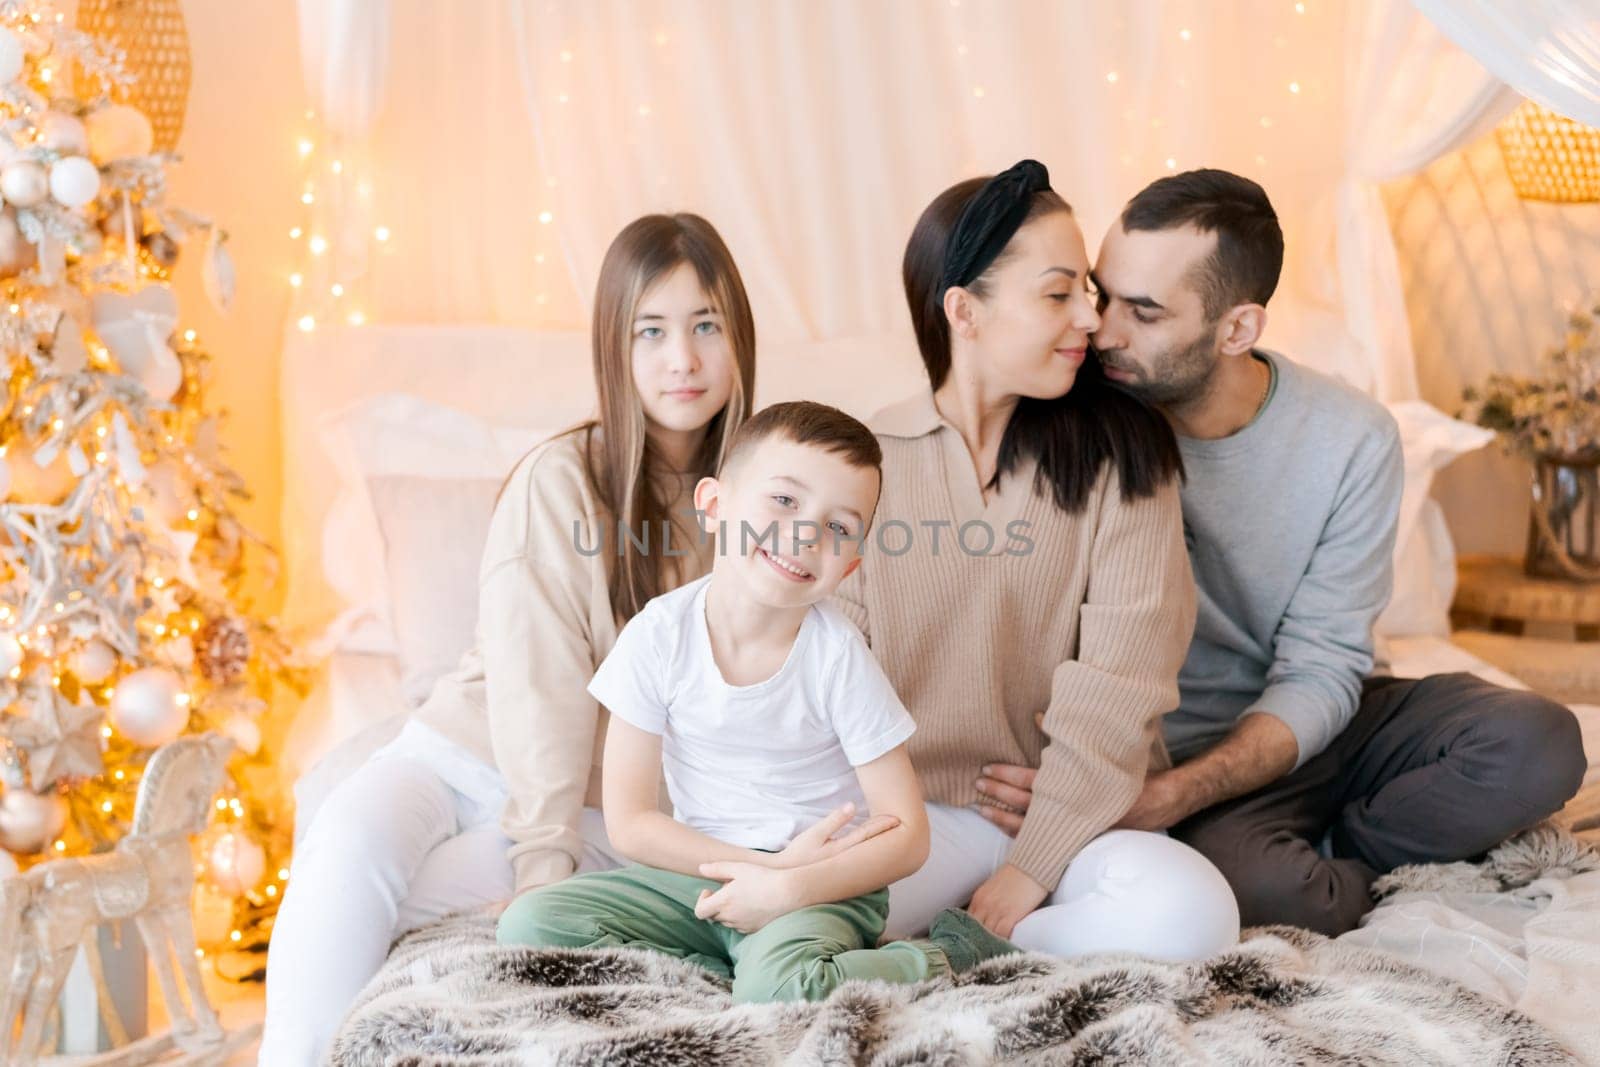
511, 140
344, 56
1546, 49
1410, 97
812, 132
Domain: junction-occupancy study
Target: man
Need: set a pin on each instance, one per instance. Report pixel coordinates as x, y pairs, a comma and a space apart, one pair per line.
1297, 774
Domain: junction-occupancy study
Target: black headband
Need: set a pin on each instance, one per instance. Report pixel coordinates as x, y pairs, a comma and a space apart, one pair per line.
990, 219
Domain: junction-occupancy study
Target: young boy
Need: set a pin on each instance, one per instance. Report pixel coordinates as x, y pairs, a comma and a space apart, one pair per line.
775, 726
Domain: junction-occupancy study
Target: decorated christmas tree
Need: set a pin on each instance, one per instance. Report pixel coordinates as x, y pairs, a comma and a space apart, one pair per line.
125, 614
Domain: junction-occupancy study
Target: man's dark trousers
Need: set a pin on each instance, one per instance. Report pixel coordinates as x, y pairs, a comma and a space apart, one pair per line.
1429, 770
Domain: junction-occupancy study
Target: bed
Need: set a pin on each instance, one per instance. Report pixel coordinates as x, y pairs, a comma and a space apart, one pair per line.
386, 429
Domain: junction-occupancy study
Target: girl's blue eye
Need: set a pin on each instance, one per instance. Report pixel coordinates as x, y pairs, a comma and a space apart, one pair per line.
783, 499
839, 528
705, 327
651, 332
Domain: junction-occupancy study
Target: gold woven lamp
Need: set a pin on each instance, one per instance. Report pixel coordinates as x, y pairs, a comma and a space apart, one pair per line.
1550, 157
153, 35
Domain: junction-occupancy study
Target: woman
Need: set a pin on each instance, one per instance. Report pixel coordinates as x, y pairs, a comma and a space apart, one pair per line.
502, 761
1041, 607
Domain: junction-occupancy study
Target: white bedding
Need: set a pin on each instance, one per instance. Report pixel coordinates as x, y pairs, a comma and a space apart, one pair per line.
1523, 949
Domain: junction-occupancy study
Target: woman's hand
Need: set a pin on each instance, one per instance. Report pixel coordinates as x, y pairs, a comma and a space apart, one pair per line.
818, 843
1002, 901
751, 895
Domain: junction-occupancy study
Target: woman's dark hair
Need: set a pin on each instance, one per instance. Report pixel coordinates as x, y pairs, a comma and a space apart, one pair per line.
1072, 436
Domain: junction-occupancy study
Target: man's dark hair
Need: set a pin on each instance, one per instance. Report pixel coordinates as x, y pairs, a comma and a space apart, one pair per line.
1244, 268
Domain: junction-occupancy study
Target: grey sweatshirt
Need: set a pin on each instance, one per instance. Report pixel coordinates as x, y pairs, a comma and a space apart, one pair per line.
1290, 525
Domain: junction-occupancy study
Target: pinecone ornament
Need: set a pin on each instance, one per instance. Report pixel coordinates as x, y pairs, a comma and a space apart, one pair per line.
222, 648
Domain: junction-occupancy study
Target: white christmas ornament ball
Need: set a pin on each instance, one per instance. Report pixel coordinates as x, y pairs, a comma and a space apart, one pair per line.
147, 707
30, 821
24, 183
64, 134
237, 863
10, 653
74, 181
119, 132
11, 55
94, 662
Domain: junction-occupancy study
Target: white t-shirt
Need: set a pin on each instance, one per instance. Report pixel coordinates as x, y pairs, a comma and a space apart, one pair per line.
752, 765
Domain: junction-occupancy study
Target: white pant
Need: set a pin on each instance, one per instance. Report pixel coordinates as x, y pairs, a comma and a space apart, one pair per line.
1126, 891
394, 847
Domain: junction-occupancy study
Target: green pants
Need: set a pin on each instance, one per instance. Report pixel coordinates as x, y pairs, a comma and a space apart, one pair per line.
804, 955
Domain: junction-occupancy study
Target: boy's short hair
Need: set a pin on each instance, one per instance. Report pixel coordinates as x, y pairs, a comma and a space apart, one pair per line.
806, 422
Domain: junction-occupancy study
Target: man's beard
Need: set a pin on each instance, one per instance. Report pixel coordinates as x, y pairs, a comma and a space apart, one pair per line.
1179, 377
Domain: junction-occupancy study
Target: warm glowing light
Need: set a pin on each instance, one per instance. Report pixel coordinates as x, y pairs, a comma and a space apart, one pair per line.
381, 233
319, 244
307, 323
295, 280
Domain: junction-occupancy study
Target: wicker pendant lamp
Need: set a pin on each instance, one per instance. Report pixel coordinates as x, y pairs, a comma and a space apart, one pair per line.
153, 35
1550, 157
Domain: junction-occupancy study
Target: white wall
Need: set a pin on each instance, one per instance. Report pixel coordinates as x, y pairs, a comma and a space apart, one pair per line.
245, 106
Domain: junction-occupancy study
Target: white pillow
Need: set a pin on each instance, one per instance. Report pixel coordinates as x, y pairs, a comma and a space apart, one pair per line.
433, 535
394, 435
1424, 555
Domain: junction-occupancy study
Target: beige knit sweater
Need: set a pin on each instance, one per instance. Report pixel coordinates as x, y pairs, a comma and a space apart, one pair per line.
1089, 625
519, 699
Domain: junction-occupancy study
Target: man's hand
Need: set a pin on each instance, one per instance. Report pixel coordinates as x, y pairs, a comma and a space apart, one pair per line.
1002, 901
1164, 802
751, 895
818, 843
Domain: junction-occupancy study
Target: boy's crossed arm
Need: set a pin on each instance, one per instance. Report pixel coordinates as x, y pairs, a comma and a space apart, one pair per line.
815, 868
753, 895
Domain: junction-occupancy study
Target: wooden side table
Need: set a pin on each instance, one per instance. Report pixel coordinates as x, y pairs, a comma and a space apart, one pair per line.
1492, 593
1545, 632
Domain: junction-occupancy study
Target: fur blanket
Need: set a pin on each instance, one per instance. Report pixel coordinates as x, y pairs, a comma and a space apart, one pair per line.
450, 995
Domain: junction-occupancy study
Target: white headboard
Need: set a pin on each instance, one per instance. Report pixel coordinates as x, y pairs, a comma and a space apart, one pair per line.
510, 377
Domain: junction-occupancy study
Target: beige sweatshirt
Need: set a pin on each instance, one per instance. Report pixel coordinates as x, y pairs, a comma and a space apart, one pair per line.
519, 700
1089, 625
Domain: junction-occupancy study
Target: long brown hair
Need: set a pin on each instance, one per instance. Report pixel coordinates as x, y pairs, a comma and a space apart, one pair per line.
1072, 437
619, 460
